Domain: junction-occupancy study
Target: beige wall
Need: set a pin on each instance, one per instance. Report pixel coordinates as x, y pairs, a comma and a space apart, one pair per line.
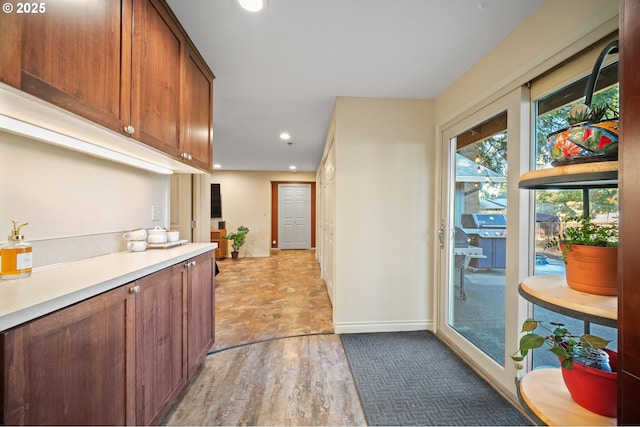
553, 33
76, 205
246, 200
384, 203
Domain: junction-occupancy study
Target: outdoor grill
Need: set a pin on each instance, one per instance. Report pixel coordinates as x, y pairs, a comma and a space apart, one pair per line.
489, 232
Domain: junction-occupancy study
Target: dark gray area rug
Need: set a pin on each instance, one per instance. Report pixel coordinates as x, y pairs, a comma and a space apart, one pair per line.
412, 378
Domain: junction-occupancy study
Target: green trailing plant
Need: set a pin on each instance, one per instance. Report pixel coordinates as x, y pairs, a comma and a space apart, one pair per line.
238, 238
584, 232
586, 349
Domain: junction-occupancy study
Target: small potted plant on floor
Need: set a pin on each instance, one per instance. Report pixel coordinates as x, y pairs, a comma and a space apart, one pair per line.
588, 369
238, 238
590, 252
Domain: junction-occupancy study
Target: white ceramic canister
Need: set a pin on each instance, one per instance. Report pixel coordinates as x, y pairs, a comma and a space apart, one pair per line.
157, 235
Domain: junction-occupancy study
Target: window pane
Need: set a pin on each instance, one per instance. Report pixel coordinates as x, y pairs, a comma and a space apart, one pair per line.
477, 289
554, 207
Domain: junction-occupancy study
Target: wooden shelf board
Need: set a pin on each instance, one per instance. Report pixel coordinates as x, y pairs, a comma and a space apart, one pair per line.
551, 291
577, 176
543, 392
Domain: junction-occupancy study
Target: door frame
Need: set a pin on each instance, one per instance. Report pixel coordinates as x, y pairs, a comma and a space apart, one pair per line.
519, 230
274, 211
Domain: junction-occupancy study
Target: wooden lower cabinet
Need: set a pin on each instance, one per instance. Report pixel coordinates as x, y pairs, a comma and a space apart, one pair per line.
200, 310
161, 371
72, 367
119, 358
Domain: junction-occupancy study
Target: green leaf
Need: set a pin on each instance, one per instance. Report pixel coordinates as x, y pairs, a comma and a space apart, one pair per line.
594, 341
567, 364
531, 341
559, 351
517, 358
529, 325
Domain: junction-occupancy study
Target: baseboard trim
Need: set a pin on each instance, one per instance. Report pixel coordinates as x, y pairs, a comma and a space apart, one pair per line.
393, 326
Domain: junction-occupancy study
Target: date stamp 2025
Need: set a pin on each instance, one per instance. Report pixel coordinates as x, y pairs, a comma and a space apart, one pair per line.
24, 8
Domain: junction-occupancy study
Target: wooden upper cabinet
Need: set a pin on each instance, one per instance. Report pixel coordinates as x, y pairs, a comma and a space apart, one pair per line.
197, 111
127, 65
74, 56
157, 52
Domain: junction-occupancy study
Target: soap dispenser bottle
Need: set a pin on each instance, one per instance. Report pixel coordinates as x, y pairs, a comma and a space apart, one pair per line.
16, 256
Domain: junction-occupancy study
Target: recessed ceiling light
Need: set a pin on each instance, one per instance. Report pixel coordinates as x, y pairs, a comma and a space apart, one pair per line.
285, 136
217, 166
292, 167
253, 5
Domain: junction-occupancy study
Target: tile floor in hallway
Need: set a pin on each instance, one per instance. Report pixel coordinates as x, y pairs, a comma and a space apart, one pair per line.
303, 380
270, 297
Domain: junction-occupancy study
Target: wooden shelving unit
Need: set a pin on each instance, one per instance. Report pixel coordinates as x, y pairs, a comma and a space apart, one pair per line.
548, 400
542, 391
552, 292
577, 176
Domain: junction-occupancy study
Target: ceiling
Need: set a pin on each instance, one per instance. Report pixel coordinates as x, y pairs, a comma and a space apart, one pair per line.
282, 69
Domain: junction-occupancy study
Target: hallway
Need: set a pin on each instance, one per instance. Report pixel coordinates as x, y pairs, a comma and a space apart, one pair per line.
302, 380
271, 297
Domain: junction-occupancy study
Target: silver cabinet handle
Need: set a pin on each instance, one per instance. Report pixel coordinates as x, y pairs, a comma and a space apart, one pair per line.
134, 289
130, 129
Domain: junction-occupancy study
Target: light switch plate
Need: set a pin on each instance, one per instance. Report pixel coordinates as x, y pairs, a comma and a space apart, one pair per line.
155, 213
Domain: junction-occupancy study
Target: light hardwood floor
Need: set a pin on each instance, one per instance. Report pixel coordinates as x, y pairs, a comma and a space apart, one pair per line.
256, 376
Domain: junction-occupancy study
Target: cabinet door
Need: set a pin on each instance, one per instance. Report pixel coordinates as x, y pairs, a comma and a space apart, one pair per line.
156, 76
75, 56
160, 343
72, 367
197, 118
628, 266
200, 309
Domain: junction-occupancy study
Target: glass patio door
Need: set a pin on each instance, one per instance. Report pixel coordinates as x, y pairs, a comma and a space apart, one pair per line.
479, 195
483, 234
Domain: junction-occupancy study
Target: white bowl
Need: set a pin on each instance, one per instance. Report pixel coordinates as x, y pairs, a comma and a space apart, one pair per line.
173, 235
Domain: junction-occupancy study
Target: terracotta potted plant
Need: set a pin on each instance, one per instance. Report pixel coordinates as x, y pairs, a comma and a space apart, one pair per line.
590, 252
588, 368
238, 238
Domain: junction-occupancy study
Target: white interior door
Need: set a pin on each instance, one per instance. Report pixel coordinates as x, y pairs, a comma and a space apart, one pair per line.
294, 216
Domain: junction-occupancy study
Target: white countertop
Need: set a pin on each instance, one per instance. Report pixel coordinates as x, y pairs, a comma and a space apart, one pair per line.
54, 287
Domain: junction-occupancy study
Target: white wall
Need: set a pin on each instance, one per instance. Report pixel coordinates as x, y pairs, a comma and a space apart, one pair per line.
246, 200
76, 205
384, 203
